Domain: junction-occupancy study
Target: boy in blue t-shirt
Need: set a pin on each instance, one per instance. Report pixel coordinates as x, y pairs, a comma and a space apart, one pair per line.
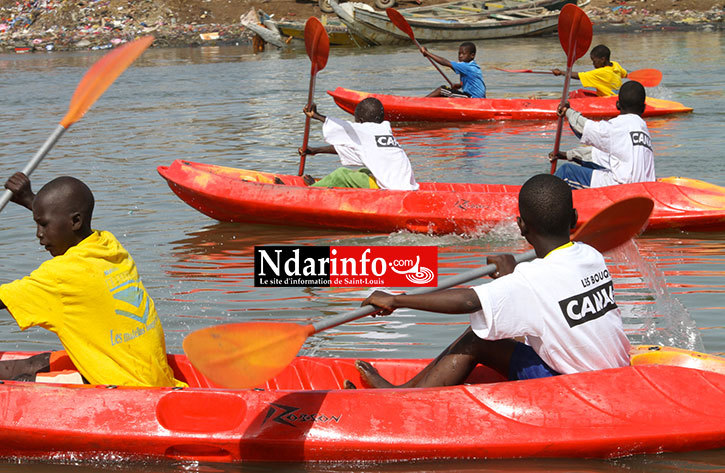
471, 84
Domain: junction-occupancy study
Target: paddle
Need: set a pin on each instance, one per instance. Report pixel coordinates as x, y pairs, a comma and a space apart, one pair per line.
575, 36
245, 355
402, 24
318, 49
98, 78
646, 77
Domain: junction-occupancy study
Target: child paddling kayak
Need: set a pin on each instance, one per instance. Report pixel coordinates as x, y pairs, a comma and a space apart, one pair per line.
620, 150
89, 294
562, 303
606, 77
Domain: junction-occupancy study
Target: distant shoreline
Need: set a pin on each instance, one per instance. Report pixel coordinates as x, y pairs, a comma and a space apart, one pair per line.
229, 35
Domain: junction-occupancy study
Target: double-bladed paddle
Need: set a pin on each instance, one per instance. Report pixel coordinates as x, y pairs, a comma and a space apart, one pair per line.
245, 355
646, 77
317, 44
98, 78
402, 24
575, 36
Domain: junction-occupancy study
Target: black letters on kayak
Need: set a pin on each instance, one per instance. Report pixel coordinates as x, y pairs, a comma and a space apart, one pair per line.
588, 305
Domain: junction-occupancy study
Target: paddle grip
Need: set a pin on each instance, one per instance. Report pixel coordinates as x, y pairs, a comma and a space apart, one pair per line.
467, 276
33, 163
560, 123
306, 136
434, 64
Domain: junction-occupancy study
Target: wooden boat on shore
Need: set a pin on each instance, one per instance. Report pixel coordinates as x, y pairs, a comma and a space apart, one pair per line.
240, 195
281, 33
449, 23
670, 400
447, 109
337, 32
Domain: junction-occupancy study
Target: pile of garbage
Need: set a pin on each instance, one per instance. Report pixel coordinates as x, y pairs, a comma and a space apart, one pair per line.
101, 24
639, 16
28, 25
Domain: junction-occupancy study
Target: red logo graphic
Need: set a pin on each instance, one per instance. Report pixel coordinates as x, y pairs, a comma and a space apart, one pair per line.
390, 266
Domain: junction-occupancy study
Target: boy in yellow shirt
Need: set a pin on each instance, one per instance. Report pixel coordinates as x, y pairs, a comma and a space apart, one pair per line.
606, 76
89, 294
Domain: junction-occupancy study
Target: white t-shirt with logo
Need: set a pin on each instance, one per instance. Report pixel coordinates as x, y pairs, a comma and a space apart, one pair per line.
623, 146
371, 145
563, 304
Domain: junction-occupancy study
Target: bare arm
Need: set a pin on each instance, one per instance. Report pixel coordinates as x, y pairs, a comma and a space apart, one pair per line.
450, 301
440, 60
318, 150
559, 72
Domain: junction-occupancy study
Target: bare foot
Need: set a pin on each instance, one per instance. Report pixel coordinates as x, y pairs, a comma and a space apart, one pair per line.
370, 375
277, 180
309, 180
349, 385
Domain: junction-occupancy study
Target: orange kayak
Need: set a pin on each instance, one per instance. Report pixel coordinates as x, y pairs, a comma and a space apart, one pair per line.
446, 109
669, 401
240, 195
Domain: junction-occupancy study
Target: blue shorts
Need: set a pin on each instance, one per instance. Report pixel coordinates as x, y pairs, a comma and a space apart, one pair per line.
526, 364
577, 176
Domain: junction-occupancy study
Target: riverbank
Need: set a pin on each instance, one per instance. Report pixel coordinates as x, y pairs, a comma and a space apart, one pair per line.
52, 25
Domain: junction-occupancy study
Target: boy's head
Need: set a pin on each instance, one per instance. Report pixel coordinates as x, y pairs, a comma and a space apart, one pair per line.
546, 208
631, 98
466, 52
600, 56
369, 110
62, 211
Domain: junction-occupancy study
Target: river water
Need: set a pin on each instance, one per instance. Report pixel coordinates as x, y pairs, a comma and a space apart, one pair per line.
229, 106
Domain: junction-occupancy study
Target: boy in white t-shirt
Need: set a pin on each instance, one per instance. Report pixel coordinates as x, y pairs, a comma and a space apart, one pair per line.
369, 143
620, 151
562, 303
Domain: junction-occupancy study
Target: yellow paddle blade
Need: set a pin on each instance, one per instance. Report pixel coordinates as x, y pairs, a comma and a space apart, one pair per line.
101, 75
615, 224
245, 355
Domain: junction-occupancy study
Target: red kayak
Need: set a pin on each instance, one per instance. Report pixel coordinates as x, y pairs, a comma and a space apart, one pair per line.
670, 401
240, 195
443, 109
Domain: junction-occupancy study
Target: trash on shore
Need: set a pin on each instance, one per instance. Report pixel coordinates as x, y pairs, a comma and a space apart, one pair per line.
58, 25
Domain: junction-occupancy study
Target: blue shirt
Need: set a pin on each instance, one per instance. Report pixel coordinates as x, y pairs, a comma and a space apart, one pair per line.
471, 78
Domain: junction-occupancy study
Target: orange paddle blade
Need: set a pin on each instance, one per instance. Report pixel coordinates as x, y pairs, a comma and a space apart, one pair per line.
317, 44
575, 32
101, 75
400, 22
245, 355
616, 224
646, 77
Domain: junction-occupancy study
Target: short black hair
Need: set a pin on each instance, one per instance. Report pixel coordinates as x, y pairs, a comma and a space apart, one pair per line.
632, 97
601, 51
546, 205
370, 110
469, 46
74, 193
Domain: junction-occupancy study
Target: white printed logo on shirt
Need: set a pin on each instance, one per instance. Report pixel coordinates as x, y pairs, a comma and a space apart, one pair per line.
640, 138
386, 141
588, 305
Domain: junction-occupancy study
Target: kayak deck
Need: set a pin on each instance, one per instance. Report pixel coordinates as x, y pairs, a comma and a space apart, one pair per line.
446, 109
303, 415
240, 195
